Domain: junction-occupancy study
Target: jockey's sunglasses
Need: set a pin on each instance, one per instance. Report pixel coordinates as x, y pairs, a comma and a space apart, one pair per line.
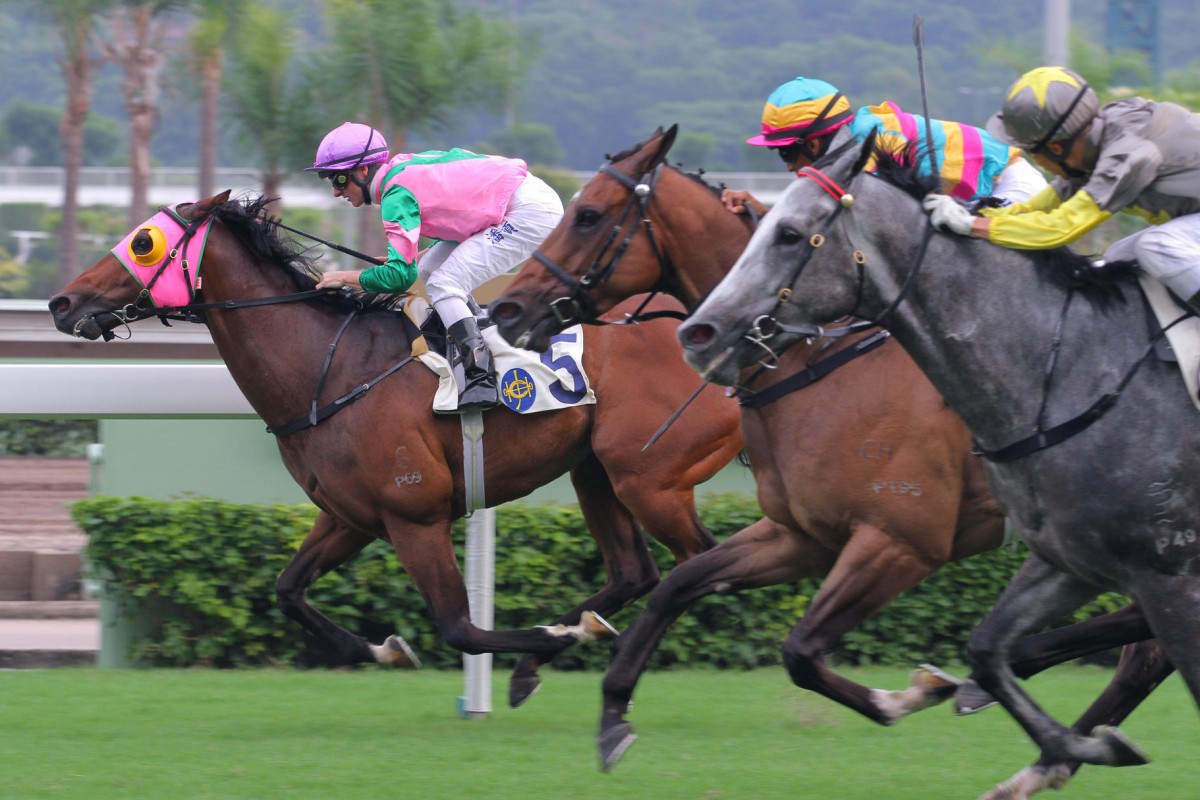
790, 153
339, 179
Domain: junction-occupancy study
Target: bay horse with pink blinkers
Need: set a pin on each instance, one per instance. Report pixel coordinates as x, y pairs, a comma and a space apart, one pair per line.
863, 473
255, 294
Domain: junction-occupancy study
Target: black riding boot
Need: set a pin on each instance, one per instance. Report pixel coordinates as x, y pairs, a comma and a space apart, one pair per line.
479, 378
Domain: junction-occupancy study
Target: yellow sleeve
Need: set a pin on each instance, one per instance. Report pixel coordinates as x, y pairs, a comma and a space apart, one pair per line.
1044, 200
1038, 229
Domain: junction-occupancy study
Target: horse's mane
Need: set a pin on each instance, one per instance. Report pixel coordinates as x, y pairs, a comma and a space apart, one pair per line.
260, 234
1062, 266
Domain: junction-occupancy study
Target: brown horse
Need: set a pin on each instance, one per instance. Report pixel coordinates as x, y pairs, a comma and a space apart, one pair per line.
385, 467
865, 476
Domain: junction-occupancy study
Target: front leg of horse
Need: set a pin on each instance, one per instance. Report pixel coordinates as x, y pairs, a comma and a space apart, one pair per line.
328, 545
1032, 654
630, 567
1143, 666
1038, 595
764, 554
582, 625
427, 553
871, 571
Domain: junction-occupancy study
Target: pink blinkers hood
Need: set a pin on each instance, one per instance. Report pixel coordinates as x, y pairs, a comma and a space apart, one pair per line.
171, 279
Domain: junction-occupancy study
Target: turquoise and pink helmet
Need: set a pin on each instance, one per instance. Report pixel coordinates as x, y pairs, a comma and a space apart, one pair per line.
802, 108
349, 145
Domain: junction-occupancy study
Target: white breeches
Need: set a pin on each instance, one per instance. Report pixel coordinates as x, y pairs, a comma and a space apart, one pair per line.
454, 270
1170, 252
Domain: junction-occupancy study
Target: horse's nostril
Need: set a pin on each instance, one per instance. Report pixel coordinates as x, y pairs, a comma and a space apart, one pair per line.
697, 335
504, 312
59, 305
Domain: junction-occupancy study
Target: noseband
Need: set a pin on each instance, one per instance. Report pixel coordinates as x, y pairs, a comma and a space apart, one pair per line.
577, 305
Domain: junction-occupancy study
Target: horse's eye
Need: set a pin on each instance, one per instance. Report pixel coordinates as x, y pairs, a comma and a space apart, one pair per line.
787, 235
142, 243
586, 217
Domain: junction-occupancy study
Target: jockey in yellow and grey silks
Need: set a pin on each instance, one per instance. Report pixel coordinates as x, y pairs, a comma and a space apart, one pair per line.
1132, 155
801, 117
486, 213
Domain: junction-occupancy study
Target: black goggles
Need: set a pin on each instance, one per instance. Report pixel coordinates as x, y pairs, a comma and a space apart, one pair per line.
790, 153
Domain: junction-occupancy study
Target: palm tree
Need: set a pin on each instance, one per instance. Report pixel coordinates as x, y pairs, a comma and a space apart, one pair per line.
73, 23
269, 96
138, 38
407, 65
215, 19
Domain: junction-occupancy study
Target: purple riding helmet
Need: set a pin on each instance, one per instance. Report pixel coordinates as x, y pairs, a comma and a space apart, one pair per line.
350, 145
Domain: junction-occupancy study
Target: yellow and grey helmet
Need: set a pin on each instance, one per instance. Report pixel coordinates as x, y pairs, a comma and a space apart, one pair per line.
1047, 104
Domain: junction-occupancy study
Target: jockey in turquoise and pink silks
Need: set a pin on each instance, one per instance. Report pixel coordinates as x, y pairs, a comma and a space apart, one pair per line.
486, 213
802, 117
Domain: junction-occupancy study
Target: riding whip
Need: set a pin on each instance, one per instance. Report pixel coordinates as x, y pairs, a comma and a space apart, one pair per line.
671, 419
335, 246
919, 42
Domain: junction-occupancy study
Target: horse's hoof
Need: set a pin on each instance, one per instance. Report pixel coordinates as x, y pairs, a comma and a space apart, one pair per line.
613, 744
593, 626
936, 685
521, 689
395, 652
1122, 751
970, 698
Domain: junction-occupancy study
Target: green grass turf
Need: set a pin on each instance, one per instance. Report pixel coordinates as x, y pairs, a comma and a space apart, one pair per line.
95, 734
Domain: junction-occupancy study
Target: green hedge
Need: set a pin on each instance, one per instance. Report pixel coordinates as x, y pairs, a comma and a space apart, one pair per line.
202, 572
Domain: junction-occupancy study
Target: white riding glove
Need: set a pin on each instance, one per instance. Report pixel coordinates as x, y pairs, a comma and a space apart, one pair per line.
948, 214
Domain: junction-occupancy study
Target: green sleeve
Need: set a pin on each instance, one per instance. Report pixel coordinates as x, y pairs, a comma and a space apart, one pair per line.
394, 276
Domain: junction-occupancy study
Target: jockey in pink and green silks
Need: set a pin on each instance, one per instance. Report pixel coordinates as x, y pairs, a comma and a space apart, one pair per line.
485, 213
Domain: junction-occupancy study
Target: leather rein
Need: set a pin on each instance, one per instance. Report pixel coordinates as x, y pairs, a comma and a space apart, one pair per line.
1042, 437
144, 307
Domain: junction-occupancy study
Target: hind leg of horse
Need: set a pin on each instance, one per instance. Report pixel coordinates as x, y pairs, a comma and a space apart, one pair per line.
427, 553
871, 571
1038, 595
1037, 652
628, 563
1143, 666
763, 554
328, 545
1171, 603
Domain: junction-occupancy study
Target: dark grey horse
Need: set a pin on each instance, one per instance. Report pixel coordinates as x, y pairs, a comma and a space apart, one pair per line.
1095, 445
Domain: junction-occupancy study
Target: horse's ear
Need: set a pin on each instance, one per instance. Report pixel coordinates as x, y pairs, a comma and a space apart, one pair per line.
664, 145
864, 153
202, 208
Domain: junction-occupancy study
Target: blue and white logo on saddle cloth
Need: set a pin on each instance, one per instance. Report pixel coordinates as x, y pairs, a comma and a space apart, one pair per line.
529, 382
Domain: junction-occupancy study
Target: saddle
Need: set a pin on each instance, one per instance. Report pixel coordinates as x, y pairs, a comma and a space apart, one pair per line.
1181, 343
529, 382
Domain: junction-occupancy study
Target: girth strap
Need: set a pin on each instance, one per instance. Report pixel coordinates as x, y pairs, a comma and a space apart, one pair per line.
473, 492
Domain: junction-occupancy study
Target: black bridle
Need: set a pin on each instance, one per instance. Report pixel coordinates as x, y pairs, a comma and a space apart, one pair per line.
137, 310
766, 326
577, 306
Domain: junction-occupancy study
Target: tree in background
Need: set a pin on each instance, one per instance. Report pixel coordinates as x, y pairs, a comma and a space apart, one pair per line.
215, 18
72, 22
138, 37
33, 129
534, 143
412, 65
269, 96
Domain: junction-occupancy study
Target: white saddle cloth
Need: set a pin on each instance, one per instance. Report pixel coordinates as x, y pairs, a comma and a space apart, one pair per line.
1184, 337
529, 382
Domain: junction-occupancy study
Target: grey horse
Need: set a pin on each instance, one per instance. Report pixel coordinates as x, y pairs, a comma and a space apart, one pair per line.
1094, 445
